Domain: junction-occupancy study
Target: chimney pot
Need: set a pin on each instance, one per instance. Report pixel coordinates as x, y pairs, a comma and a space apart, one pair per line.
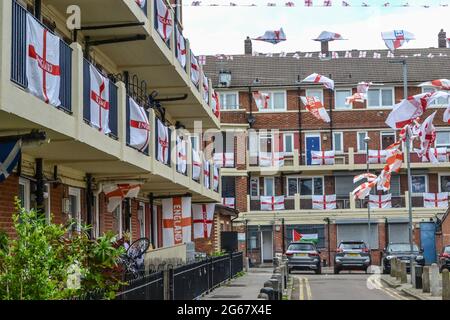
324, 47
442, 39
248, 46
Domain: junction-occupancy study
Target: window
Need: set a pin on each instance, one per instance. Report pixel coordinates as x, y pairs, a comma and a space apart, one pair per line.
340, 96
194, 143
305, 186
288, 142
445, 184
47, 202
277, 100
269, 187
75, 207
380, 98
24, 193
228, 187
387, 138
315, 93
361, 143
338, 142
440, 101
254, 187
442, 138
229, 100
265, 142
141, 218
419, 184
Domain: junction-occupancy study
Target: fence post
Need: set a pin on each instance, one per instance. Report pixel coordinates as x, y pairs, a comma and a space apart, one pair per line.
393, 266
403, 272
426, 279
434, 280
413, 272
445, 285
168, 283
231, 265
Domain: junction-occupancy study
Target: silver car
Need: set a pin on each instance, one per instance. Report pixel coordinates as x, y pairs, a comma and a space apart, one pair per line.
303, 256
352, 255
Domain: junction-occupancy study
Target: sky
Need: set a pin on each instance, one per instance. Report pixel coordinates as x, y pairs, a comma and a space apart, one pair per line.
223, 29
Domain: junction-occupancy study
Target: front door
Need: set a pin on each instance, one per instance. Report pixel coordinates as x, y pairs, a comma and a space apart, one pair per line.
312, 144
428, 241
267, 246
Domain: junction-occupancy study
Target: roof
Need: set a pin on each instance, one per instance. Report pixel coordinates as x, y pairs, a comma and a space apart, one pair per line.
226, 211
285, 71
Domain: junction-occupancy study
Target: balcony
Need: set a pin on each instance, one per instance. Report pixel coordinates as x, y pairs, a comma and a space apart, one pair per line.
76, 143
152, 59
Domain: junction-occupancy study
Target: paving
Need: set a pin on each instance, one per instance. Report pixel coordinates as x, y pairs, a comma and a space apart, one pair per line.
407, 288
246, 287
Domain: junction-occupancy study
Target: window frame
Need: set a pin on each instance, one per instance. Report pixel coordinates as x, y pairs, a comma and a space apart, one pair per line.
308, 94
384, 133
380, 98
341, 141
358, 141
298, 178
291, 137
344, 107
76, 192
27, 194
271, 100
266, 179
426, 184
267, 136
436, 145
257, 187
224, 106
440, 175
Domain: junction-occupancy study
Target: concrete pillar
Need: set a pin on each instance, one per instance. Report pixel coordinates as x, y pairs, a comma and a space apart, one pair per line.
398, 272
403, 272
445, 285
393, 266
352, 202
351, 156
413, 273
435, 287
426, 279
297, 202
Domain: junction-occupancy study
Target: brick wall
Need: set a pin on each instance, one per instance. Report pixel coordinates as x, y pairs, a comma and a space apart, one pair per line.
9, 189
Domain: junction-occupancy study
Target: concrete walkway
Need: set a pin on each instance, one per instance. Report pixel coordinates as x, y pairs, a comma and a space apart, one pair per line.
407, 288
243, 288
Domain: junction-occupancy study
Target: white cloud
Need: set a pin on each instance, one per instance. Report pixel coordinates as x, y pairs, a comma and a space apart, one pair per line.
222, 30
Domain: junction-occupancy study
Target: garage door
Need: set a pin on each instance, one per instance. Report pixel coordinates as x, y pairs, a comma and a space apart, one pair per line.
398, 232
347, 232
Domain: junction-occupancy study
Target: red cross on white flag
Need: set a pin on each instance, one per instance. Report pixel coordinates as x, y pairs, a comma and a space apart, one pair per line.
195, 70
272, 203
203, 219
206, 174
308, 3
177, 221
43, 68
139, 126
196, 165
164, 18
324, 202
99, 100
181, 155
435, 200
322, 157
202, 60
380, 201
163, 143
181, 48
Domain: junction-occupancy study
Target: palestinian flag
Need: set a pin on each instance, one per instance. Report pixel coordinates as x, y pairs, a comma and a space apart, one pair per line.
300, 237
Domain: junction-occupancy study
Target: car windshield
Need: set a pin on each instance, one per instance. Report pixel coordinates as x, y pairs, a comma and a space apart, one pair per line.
402, 247
352, 245
447, 249
301, 247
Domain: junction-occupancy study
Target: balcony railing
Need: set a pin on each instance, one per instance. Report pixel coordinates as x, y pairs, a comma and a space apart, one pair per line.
19, 56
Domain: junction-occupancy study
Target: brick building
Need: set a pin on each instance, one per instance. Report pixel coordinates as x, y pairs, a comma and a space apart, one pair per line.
64, 176
286, 128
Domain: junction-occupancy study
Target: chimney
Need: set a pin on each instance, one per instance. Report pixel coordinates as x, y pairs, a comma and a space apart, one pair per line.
442, 39
324, 47
248, 46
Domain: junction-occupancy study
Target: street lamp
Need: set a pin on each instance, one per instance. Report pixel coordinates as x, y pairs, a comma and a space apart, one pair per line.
367, 140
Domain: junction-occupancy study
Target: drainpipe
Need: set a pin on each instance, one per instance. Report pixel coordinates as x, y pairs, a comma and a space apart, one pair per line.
97, 206
331, 116
39, 176
152, 237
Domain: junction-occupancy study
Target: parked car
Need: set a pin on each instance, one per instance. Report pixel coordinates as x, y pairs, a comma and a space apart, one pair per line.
303, 256
444, 259
352, 255
403, 252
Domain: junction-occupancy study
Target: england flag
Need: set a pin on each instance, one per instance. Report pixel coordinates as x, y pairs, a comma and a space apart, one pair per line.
181, 48
139, 126
164, 19
203, 219
99, 100
317, 78
43, 65
163, 143
177, 221
396, 38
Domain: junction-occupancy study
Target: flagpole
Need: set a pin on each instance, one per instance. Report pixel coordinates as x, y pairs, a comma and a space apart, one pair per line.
367, 140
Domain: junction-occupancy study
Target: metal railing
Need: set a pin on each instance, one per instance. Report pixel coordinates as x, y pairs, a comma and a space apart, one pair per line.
19, 57
147, 287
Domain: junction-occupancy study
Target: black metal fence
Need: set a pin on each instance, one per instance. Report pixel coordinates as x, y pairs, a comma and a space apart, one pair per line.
187, 282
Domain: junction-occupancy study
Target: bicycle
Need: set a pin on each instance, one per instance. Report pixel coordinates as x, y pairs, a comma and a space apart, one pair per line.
132, 259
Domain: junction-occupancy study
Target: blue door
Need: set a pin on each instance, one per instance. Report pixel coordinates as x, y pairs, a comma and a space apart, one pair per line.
312, 144
428, 241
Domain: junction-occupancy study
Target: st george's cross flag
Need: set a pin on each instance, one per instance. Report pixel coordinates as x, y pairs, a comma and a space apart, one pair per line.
380, 201
435, 200
206, 174
99, 100
326, 36
181, 155
9, 157
410, 109
377, 156
271, 159
368, 176
164, 20
195, 70
440, 84
205, 89
272, 36
196, 165
317, 78
203, 219
302, 237
427, 137
229, 202
272, 203
215, 103
43, 62
396, 38
439, 153
115, 193
363, 189
141, 3
181, 48
262, 100
216, 177
139, 126
322, 157
316, 108
224, 159
177, 221
447, 115
163, 143
324, 202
